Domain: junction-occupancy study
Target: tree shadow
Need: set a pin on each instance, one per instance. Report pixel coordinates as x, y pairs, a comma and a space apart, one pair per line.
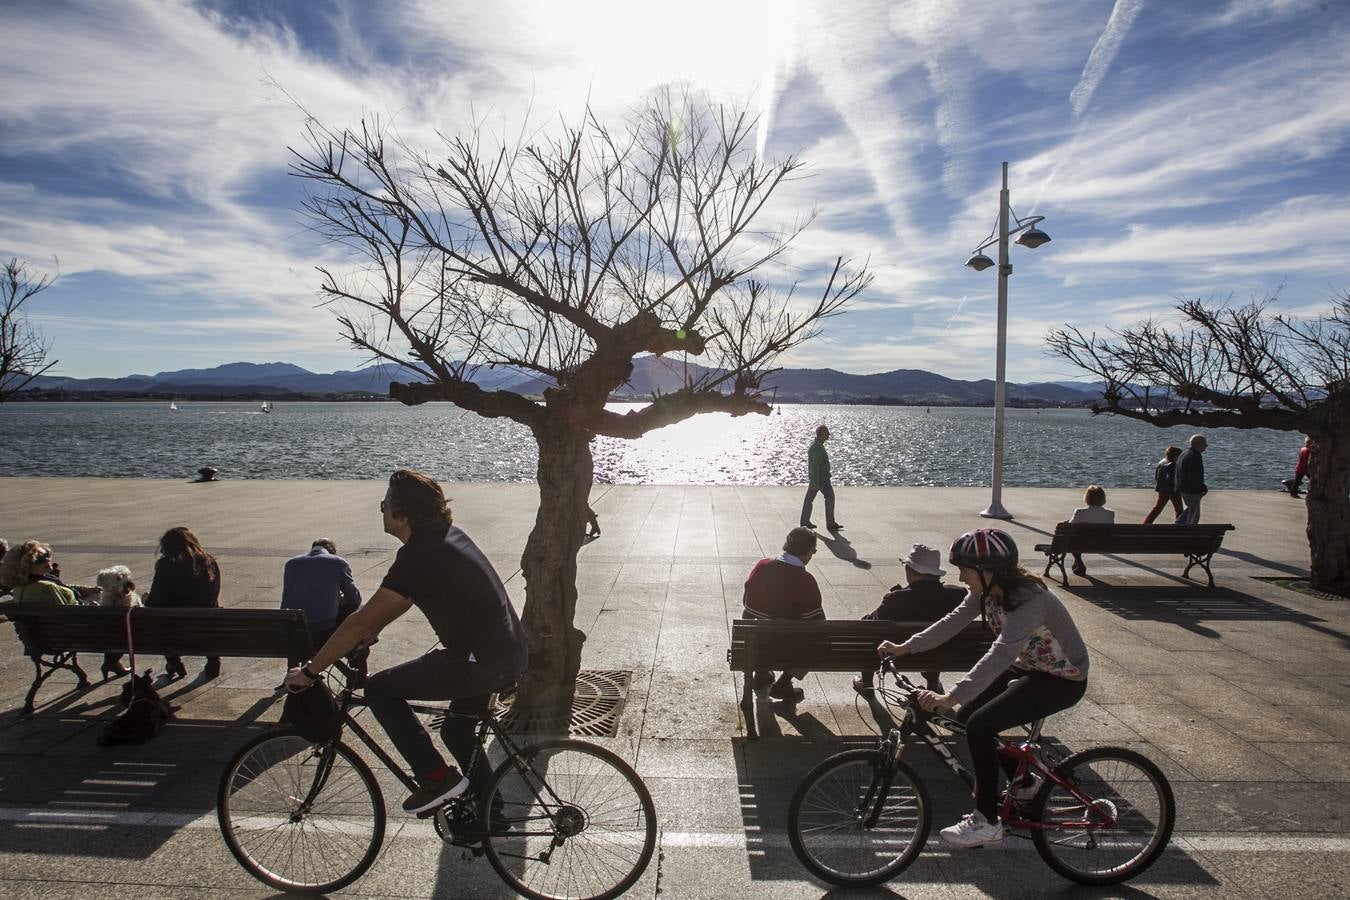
1262, 561
842, 549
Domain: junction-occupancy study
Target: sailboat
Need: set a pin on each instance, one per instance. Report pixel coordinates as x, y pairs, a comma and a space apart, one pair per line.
173, 405
266, 406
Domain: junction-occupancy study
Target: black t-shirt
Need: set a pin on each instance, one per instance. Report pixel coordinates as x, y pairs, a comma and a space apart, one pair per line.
453, 584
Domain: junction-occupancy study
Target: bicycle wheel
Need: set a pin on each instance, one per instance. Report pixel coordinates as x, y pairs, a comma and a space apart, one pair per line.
568, 819
1122, 784
828, 818
298, 816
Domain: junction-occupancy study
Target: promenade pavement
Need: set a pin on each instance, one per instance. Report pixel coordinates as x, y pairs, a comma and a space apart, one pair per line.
1238, 693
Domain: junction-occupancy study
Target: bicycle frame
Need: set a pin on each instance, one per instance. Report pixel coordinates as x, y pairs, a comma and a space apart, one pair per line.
486, 723
1026, 753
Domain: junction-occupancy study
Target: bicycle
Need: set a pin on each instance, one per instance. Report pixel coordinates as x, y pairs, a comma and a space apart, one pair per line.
558, 818
861, 817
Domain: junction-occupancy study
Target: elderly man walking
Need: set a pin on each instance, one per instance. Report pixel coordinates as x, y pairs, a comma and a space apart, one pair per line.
1191, 480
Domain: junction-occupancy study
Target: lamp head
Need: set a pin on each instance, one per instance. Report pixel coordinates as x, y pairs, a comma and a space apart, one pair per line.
979, 262
1033, 238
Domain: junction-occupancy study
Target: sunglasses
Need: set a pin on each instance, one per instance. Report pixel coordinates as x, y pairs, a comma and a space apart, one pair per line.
43, 557
384, 505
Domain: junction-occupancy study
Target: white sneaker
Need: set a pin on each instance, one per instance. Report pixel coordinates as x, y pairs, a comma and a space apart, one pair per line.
974, 830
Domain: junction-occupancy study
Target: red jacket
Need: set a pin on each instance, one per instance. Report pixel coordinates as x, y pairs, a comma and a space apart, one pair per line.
780, 590
1301, 469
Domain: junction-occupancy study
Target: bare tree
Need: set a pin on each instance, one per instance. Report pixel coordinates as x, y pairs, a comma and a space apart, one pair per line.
23, 351
1242, 367
566, 257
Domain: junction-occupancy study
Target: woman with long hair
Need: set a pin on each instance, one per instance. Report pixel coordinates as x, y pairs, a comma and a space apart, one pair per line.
1036, 666
186, 576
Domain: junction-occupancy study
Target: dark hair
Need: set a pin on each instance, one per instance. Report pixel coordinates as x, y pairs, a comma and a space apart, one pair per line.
800, 540
181, 543
1094, 496
1172, 452
420, 500
1013, 581
326, 544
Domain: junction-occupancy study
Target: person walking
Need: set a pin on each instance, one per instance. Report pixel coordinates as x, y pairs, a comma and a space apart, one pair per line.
781, 588
1300, 469
1165, 483
922, 598
818, 476
320, 584
185, 576
1191, 480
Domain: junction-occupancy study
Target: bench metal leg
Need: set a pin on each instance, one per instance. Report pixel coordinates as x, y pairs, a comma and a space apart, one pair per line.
748, 704
1201, 560
1053, 559
68, 660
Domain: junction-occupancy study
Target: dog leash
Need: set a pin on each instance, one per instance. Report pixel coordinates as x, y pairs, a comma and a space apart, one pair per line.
131, 648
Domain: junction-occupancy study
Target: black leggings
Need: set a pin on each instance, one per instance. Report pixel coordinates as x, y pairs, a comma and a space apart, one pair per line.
1015, 698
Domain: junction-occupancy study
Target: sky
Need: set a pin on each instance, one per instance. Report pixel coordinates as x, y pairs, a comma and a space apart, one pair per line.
1175, 149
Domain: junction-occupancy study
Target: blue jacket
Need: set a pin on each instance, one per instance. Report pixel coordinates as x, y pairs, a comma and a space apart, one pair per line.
321, 584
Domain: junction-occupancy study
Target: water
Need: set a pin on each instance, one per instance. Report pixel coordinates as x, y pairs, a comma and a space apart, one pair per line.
870, 445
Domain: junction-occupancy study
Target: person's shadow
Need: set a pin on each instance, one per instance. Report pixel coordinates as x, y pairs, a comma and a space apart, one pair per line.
842, 549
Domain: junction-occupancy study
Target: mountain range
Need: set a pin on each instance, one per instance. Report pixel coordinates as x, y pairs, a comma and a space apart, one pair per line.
280, 380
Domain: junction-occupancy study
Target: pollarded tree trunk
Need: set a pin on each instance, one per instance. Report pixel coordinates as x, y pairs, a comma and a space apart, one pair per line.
1328, 506
549, 565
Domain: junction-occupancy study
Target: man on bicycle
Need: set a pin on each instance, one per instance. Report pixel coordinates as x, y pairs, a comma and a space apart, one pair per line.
441, 572
1038, 665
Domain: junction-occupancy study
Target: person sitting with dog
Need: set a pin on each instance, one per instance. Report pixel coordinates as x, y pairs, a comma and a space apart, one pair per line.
33, 577
923, 598
186, 576
320, 583
781, 588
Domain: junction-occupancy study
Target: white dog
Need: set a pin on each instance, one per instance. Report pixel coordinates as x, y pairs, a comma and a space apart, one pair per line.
116, 587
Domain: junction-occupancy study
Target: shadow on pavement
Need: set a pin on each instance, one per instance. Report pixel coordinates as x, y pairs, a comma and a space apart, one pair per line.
842, 549
1189, 609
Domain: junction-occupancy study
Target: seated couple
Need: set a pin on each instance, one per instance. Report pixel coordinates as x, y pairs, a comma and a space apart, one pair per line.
781, 588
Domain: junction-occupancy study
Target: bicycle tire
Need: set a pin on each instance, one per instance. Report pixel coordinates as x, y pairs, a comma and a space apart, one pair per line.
329, 847
827, 835
617, 824
1137, 793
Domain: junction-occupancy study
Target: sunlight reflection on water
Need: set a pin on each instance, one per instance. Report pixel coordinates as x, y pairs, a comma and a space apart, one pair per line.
871, 445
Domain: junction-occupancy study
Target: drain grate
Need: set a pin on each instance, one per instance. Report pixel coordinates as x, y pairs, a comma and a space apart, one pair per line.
596, 706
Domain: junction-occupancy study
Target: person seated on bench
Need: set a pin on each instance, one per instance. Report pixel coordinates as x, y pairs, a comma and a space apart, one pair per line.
1093, 513
4, 548
782, 589
185, 576
32, 575
1037, 665
320, 583
923, 598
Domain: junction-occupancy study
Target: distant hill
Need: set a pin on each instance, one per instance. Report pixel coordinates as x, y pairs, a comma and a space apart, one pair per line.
651, 374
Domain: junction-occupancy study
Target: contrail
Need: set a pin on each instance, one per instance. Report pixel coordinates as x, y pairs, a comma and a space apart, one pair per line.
955, 314
1103, 53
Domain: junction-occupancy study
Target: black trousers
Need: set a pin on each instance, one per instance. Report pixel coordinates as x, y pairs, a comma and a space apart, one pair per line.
1015, 698
438, 675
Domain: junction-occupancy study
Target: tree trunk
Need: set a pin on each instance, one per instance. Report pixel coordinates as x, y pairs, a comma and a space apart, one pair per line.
1328, 507
549, 565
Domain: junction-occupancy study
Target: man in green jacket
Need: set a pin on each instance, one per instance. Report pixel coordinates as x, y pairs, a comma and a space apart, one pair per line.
818, 473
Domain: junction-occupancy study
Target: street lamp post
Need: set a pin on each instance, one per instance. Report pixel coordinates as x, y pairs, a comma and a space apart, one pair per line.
1032, 237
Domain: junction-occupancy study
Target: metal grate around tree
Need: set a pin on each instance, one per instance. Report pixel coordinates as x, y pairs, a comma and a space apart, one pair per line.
596, 706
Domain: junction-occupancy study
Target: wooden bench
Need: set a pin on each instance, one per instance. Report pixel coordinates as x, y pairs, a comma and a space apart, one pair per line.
53, 635
847, 645
1198, 543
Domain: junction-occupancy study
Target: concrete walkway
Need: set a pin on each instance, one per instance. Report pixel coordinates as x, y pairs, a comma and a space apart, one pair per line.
1239, 693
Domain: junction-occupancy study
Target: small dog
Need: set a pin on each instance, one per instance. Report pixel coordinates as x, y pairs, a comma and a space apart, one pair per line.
116, 588
145, 713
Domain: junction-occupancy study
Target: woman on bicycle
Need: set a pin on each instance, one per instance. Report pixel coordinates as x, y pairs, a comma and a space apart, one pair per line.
1037, 665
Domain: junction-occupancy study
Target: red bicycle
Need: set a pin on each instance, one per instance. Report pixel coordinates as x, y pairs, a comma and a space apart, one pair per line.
861, 817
